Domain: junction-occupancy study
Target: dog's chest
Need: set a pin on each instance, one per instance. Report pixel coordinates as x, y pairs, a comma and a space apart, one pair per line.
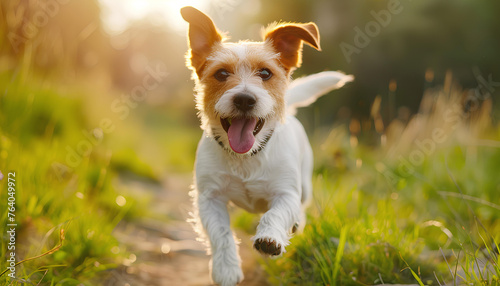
250, 182
249, 188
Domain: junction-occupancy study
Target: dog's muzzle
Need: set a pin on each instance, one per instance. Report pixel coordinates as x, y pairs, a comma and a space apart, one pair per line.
241, 129
244, 102
241, 132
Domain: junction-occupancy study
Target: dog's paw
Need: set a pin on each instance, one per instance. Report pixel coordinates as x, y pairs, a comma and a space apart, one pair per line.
226, 274
268, 246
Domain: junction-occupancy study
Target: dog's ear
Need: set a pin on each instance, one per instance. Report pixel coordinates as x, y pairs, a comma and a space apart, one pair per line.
287, 40
202, 36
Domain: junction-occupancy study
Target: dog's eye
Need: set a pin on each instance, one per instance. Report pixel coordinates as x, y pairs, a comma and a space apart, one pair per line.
221, 75
265, 74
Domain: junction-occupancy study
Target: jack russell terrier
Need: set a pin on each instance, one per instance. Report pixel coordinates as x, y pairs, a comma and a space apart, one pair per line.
254, 152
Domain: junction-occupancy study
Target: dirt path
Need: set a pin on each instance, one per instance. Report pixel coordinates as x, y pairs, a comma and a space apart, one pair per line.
167, 253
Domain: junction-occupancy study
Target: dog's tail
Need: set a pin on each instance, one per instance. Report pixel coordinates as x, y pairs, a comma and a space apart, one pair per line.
304, 91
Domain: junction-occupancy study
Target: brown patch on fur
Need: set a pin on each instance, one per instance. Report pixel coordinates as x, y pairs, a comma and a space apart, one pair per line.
256, 57
202, 36
261, 206
280, 52
287, 39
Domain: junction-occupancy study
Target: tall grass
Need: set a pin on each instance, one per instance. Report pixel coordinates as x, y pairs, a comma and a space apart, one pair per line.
416, 209
76, 192
52, 198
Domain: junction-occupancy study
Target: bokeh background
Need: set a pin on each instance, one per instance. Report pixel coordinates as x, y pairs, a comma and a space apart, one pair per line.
112, 41
97, 117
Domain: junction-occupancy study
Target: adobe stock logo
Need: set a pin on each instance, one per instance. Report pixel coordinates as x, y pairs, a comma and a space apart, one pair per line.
31, 26
122, 106
222, 7
363, 38
454, 116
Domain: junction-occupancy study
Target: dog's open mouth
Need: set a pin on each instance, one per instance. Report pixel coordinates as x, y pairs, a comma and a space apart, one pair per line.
241, 132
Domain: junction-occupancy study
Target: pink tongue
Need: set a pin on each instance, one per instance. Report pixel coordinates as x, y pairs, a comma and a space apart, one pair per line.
240, 134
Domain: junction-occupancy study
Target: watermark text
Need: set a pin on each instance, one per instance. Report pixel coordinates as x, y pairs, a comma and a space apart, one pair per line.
11, 225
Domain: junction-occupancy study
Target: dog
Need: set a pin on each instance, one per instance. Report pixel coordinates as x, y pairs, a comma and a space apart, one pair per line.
253, 152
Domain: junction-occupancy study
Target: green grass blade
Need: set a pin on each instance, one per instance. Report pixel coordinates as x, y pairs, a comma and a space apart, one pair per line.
412, 272
340, 253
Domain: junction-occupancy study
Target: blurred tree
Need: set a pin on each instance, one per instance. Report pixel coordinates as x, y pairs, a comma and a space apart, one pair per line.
426, 35
52, 36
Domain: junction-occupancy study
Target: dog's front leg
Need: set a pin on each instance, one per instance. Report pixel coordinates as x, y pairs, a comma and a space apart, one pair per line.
273, 232
226, 263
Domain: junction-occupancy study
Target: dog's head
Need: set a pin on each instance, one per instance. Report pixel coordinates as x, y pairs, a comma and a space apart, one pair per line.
241, 86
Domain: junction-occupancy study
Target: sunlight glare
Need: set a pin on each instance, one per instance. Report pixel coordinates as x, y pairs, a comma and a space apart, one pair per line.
118, 15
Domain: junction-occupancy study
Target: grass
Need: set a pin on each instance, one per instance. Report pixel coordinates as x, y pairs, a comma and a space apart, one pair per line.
412, 210
67, 201
349, 240
60, 191
52, 197
403, 212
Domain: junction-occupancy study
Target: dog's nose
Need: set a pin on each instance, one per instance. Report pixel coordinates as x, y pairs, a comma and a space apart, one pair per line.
244, 101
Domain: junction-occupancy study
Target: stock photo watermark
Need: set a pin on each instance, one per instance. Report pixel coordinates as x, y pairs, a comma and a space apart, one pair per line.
454, 115
32, 25
363, 37
224, 6
122, 106
11, 224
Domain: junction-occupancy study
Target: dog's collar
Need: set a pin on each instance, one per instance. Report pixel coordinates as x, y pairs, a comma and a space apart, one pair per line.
254, 152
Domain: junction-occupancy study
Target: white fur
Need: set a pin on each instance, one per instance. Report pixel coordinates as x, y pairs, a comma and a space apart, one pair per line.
239, 50
304, 91
263, 107
279, 174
